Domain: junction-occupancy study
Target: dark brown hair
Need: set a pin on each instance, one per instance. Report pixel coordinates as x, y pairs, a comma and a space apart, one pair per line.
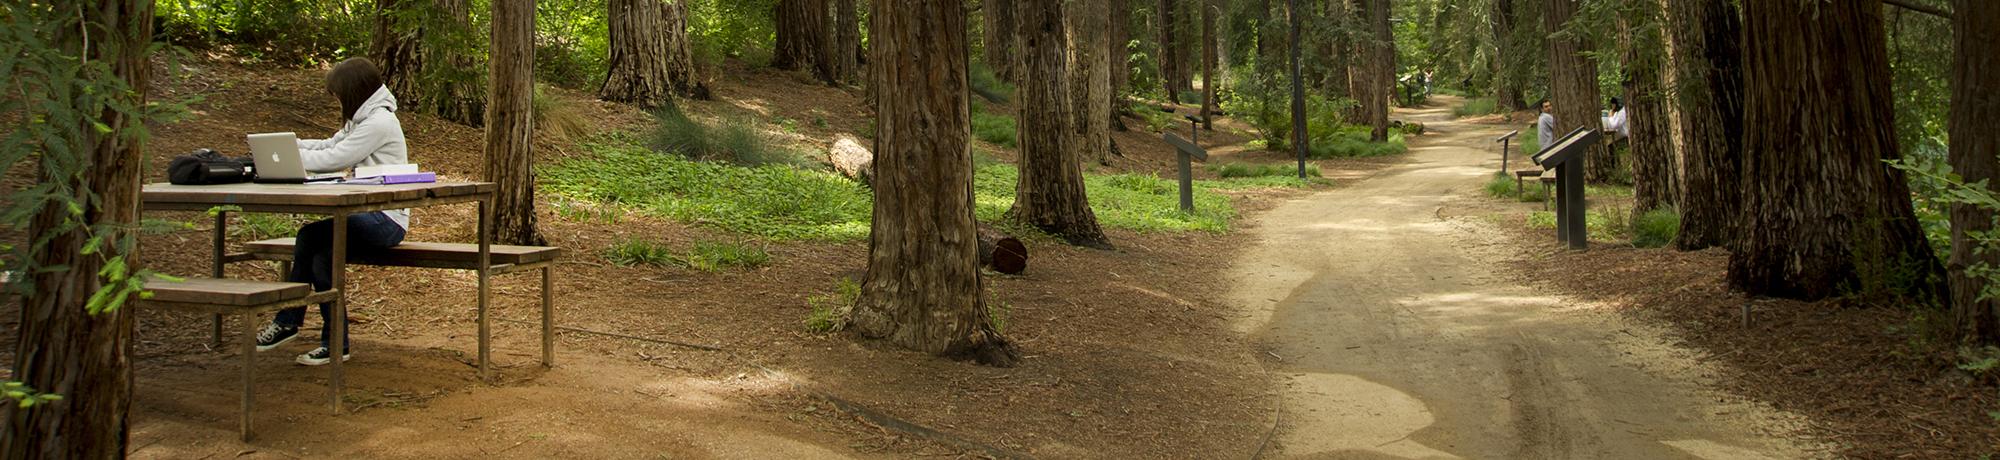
353, 81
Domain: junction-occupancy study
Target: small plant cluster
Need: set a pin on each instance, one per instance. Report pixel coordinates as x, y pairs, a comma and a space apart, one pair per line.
708, 256
737, 143
828, 312
994, 128
1651, 229
1504, 187
1476, 106
26, 396
1233, 170
580, 211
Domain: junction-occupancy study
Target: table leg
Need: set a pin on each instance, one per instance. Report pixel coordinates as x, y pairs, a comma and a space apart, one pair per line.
337, 344
548, 319
485, 272
215, 271
249, 354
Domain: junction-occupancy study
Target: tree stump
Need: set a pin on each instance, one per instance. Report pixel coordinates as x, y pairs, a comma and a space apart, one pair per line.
1001, 252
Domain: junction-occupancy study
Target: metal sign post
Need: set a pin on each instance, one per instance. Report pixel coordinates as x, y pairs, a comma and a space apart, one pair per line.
1504, 148
1566, 157
1186, 151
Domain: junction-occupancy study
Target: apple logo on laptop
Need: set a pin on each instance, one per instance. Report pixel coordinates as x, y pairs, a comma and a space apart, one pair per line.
275, 158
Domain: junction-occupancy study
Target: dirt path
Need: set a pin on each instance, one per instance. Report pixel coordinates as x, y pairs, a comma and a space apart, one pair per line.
1396, 337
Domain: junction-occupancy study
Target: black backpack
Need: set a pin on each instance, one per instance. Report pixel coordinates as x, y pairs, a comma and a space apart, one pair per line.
205, 167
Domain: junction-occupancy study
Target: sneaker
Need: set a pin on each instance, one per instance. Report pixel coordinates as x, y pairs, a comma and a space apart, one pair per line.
274, 335
319, 356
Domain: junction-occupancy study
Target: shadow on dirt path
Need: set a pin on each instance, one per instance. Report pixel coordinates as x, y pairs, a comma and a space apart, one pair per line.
1395, 337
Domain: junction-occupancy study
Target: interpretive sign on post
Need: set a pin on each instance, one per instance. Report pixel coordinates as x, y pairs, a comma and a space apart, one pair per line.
1566, 157
1185, 152
1504, 148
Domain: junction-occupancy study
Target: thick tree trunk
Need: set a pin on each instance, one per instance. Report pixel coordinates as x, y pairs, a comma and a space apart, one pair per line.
398, 49
1381, 45
1506, 85
650, 62
1301, 140
419, 47
1653, 170
460, 92
509, 138
1121, 71
63, 349
1050, 193
1822, 209
1169, 53
1001, 252
844, 57
923, 290
1352, 62
1708, 46
1208, 79
1090, 81
1573, 90
1334, 50
1975, 156
1001, 43
802, 36
1187, 27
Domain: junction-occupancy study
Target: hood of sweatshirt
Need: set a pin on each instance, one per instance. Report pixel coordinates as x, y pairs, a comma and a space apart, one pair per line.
380, 101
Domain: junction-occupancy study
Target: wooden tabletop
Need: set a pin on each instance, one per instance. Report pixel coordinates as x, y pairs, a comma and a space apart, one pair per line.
305, 195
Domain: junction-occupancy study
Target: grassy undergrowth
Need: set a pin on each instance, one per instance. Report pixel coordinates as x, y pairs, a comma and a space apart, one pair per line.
1503, 186
1651, 229
708, 256
1235, 170
1477, 106
1352, 141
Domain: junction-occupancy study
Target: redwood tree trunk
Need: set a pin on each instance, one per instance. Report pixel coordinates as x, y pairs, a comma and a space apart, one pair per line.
420, 48
1822, 209
1050, 193
802, 37
922, 290
1975, 156
1208, 79
1121, 71
1169, 54
1001, 44
1090, 49
398, 48
1381, 45
844, 56
650, 63
1653, 168
1573, 89
1708, 47
509, 137
1506, 86
65, 350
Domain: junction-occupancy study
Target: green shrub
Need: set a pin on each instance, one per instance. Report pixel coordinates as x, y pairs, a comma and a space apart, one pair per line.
770, 201
1156, 121
1529, 143
735, 142
1614, 222
1189, 97
1476, 106
1353, 142
1233, 170
1656, 228
556, 119
1541, 219
994, 129
1501, 186
715, 256
987, 85
636, 252
828, 312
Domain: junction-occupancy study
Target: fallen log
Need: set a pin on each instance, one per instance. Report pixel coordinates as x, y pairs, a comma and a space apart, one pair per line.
852, 159
1001, 252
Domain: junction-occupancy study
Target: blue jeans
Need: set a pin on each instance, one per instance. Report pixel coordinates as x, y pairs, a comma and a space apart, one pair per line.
312, 261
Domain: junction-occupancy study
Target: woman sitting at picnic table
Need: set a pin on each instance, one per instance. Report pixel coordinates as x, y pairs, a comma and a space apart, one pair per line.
370, 135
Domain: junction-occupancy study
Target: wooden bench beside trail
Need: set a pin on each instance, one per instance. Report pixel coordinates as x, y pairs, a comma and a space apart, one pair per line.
503, 259
247, 299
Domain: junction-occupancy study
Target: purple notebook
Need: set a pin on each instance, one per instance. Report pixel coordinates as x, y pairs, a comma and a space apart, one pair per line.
416, 178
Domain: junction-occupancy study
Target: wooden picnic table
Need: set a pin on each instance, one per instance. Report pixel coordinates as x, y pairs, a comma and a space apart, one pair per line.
338, 202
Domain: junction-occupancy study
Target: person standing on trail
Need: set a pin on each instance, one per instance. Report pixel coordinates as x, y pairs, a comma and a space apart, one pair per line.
1616, 121
1545, 127
370, 135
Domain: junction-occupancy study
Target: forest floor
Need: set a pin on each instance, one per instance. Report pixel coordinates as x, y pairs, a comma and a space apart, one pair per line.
1128, 353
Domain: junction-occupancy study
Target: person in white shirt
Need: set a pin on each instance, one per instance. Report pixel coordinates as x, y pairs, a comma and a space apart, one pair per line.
370, 135
1616, 122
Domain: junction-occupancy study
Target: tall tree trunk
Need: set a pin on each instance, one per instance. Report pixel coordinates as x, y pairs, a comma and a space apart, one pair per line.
420, 47
1001, 43
1334, 49
1352, 62
460, 92
1822, 209
1188, 55
1653, 168
1121, 70
1573, 89
802, 37
398, 48
845, 54
1050, 193
923, 290
510, 157
63, 349
650, 62
1707, 42
1090, 49
1208, 79
1506, 85
1381, 45
1301, 140
1975, 156
1169, 54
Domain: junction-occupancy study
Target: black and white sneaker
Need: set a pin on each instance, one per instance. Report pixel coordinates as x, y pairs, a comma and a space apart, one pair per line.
274, 335
319, 356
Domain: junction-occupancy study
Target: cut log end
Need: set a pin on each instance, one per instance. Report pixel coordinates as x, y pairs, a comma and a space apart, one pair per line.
1001, 252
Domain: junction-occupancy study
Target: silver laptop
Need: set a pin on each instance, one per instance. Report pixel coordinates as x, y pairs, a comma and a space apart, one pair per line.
277, 159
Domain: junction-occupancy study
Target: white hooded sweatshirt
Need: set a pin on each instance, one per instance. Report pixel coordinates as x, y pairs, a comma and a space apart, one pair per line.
373, 137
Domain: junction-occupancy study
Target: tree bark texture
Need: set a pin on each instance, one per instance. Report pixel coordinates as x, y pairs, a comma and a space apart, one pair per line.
1001, 43
1506, 85
650, 63
398, 48
1707, 42
1334, 50
1090, 50
510, 110
1381, 68
62, 348
1121, 69
845, 54
1975, 156
802, 36
419, 46
1822, 209
1573, 89
1651, 144
1049, 195
1169, 53
1208, 78
922, 290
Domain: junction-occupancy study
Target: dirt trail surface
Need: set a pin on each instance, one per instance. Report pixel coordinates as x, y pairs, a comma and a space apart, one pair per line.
1397, 336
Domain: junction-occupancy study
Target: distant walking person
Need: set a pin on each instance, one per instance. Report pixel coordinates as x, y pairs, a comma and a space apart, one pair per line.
1616, 122
1545, 127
